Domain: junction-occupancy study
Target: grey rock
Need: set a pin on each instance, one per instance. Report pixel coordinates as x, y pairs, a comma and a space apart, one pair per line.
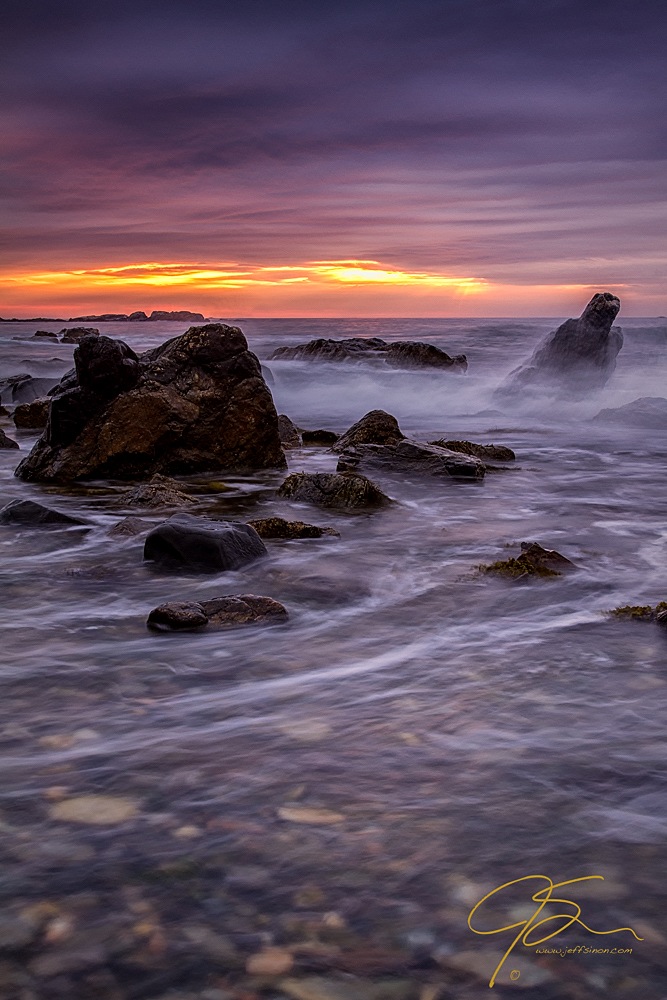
160, 491
319, 437
6, 442
36, 514
375, 427
73, 334
201, 543
228, 611
648, 412
412, 457
397, 354
486, 452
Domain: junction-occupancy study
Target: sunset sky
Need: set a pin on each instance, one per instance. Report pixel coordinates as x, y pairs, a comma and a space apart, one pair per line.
459, 157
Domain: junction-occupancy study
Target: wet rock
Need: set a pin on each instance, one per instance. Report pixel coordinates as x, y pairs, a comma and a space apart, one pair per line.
95, 810
196, 403
399, 354
486, 452
24, 388
201, 543
32, 416
278, 527
73, 334
48, 334
320, 437
129, 526
160, 491
35, 514
4, 412
289, 432
333, 490
533, 561
648, 412
578, 357
375, 427
7, 442
411, 457
223, 612
642, 613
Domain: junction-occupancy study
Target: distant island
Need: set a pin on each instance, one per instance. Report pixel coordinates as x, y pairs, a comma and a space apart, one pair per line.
176, 316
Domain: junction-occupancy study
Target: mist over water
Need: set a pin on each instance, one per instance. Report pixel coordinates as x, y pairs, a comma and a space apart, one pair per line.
469, 730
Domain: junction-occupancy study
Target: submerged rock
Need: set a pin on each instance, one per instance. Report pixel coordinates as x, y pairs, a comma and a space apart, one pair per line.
201, 543
399, 354
412, 457
129, 527
289, 432
196, 403
221, 612
278, 527
32, 416
642, 612
327, 489
648, 412
160, 491
35, 514
577, 357
73, 334
375, 427
24, 388
47, 334
487, 452
7, 442
533, 561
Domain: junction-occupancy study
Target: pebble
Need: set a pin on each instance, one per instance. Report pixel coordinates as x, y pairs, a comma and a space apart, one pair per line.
100, 810
270, 962
304, 814
187, 832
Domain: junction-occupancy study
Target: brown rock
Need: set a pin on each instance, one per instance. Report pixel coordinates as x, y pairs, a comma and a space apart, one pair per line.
278, 527
73, 334
484, 451
375, 427
160, 491
221, 612
289, 432
320, 437
533, 561
32, 416
7, 442
333, 490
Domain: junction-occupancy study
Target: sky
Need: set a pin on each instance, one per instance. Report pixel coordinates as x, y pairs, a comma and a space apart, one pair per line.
450, 158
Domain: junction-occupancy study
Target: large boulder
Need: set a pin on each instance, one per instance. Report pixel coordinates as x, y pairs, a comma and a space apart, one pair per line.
196, 403
229, 611
375, 427
397, 354
329, 489
412, 458
577, 357
201, 543
647, 412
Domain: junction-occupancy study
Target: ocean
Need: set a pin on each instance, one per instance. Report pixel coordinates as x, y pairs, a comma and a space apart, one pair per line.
341, 790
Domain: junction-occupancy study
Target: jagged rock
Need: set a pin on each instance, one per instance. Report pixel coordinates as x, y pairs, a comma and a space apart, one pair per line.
533, 561
579, 356
289, 432
35, 514
487, 452
160, 491
375, 427
649, 412
412, 457
399, 354
201, 543
24, 388
642, 612
48, 334
73, 334
32, 416
221, 612
278, 527
320, 437
196, 403
7, 442
328, 489
129, 527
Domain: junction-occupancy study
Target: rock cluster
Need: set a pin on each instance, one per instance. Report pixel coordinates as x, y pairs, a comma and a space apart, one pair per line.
398, 354
198, 402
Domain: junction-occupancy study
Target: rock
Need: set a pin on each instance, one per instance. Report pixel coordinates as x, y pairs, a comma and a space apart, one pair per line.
73, 334
319, 437
375, 427
98, 810
278, 527
578, 357
649, 412
333, 490
196, 403
32, 416
160, 491
289, 432
411, 457
24, 388
129, 526
533, 561
222, 612
642, 612
48, 334
270, 962
486, 452
201, 543
4, 412
35, 514
176, 316
310, 815
7, 442
399, 354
